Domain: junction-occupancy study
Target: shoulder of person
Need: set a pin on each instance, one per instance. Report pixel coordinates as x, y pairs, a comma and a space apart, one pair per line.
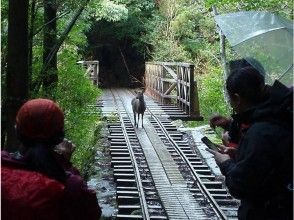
77, 185
263, 134
29, 187
80, 202
14, 160
268, 127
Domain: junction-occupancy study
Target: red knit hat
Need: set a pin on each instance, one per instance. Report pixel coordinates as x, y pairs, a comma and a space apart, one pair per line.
40, 119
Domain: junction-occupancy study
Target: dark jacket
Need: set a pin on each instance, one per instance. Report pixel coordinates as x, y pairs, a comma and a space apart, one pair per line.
261, 175
30, 195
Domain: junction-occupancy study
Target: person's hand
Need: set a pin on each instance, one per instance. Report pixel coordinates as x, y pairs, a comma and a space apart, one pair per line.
219, 121
218, 156
65, 148
231, 151
225, 138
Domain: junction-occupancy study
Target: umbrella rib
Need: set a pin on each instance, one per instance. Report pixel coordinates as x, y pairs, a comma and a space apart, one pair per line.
285, 71
256, 33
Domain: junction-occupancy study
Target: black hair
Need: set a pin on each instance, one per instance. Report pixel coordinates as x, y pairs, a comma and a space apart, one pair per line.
39, 156
245, 62
53, 140
247, 82
237, 64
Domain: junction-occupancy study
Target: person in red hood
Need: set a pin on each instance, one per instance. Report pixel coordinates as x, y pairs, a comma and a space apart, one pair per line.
39, 182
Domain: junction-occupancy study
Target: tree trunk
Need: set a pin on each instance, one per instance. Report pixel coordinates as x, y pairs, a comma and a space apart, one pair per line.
53, 52
17, 67
49, 41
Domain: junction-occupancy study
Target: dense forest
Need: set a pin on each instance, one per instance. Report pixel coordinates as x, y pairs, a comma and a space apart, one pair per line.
41, 42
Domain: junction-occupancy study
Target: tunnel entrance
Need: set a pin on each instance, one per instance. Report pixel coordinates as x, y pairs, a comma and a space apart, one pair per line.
120, 62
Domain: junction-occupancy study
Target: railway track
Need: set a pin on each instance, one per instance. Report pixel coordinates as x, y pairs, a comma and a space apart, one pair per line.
158, 174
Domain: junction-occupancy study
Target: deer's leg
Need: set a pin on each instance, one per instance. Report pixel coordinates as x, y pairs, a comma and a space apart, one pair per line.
135, 118
142, 120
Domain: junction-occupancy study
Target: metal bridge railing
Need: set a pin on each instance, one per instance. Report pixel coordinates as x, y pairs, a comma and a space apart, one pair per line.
173, 83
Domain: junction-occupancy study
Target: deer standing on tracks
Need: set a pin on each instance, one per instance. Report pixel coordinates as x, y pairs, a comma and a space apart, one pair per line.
139, 107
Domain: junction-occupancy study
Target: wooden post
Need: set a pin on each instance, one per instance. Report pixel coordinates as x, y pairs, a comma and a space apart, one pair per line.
97, 73
92, 66
192, 90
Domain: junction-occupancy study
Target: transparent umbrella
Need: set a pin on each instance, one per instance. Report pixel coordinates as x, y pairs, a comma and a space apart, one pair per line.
266, 37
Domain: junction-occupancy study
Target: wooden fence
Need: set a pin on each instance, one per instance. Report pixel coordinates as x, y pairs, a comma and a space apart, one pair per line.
173, 83
92, 70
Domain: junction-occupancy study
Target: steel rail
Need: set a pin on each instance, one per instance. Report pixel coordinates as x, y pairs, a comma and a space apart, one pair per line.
202, 187
134, 163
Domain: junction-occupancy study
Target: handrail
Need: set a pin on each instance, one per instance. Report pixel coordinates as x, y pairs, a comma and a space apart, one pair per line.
92, 71
173, 83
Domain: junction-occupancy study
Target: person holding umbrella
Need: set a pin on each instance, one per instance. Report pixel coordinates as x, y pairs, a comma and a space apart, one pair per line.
264, 36
261, 172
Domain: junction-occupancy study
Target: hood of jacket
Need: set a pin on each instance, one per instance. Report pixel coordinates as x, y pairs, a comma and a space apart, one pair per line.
277, 108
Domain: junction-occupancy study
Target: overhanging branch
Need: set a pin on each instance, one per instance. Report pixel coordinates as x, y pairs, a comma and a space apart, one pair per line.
55, 49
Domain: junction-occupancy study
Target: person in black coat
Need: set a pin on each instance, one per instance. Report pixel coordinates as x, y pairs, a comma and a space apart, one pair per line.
261, 172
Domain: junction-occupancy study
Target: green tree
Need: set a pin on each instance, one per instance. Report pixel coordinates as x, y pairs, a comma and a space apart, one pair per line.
284, 8
50, 53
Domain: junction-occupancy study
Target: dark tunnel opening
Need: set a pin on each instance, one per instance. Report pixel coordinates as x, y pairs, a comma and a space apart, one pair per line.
121, 64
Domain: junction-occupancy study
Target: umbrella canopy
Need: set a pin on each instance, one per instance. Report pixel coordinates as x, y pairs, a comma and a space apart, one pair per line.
265, 37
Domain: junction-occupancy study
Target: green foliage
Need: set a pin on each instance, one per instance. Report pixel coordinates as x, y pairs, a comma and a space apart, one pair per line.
120, 21
210, 91
109, 10
211, 96
284, 8
183, 30
166, 30
184, 24
77, 36
170, 51
75, 93
74, 85
164, 45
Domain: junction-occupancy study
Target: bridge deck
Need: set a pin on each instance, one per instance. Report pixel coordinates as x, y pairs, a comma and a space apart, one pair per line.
178, 201
164, 110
